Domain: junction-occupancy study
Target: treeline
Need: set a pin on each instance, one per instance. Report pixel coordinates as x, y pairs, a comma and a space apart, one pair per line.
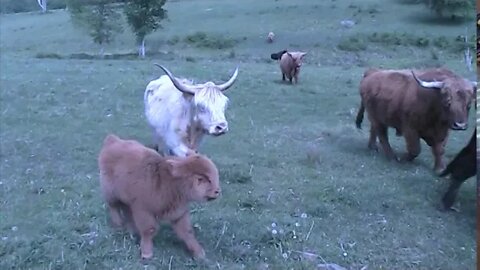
17, 6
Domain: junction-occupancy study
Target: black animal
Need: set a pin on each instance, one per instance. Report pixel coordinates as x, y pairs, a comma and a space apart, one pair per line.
462, 167
278, 55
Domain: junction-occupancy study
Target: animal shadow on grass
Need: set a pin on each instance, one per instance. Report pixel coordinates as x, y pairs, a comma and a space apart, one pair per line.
357, 145
236, 174
430, 19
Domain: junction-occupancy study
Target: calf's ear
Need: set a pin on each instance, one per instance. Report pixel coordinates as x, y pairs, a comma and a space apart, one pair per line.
174, 168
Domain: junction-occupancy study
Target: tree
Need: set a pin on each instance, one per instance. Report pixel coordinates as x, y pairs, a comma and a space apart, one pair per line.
99, 17
43, 5
144, 17
453, 8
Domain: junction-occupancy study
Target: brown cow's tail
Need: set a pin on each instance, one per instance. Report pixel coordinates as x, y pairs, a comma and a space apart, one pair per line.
360, 113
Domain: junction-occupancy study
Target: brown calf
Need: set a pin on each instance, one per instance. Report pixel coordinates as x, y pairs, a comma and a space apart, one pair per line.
142, 188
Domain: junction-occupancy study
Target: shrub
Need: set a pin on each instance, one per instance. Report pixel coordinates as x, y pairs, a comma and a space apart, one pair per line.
202, 40
452, 8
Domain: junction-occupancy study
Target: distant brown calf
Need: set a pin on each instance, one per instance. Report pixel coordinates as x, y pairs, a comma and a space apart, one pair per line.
142, 187
290, 63
462, 167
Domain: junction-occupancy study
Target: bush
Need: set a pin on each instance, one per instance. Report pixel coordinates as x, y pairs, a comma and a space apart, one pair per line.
202, 40
452, 8
352, 44
48, 55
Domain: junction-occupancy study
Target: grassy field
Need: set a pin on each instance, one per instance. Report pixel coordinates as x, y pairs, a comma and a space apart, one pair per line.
293, 156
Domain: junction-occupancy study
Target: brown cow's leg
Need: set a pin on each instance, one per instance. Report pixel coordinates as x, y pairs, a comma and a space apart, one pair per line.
147, 228
412, 141
283, 76
438, 150
372, 141
383, 137
184, 231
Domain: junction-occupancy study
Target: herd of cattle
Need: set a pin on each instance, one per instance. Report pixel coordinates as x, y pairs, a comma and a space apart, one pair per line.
143, 186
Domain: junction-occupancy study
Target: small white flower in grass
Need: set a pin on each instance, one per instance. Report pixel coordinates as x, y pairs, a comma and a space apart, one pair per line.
62, 190
274, 232
303, 215
14, 228
274, 225
4, 238
297, 224
285, 255
344, 254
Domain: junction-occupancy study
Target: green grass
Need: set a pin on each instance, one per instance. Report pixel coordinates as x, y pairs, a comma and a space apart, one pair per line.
292, 157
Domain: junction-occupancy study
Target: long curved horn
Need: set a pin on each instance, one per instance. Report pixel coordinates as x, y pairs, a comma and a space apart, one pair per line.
425, 84
474, 83
181, 87
230, 82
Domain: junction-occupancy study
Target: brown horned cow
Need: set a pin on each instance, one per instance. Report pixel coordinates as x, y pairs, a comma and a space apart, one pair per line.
142, 188
421, 104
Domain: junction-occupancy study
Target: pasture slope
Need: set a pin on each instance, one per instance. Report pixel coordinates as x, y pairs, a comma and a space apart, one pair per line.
293, 156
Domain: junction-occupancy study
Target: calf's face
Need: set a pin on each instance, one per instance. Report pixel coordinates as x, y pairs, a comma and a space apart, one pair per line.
201, 176
297, 58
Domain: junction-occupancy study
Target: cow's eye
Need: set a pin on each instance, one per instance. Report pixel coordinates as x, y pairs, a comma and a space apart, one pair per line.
201, 109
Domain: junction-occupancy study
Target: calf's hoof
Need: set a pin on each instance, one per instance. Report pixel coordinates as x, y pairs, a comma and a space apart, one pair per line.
199, 254
147, 255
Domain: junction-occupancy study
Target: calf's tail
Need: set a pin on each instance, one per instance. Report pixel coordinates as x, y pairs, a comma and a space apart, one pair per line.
360, 113
111, 138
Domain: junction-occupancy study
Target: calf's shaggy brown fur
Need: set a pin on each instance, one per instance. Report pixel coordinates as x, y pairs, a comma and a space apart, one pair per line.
290, 63
142, 188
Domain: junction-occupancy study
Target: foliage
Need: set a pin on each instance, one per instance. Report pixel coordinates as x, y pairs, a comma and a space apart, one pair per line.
144, 16
15, 6
99, 17
452, 8
203, 40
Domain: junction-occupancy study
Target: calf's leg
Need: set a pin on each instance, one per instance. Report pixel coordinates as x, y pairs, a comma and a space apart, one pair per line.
184, 231
147, 228
114, 208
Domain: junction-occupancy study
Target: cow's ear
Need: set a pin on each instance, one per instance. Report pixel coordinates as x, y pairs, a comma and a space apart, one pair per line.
302, 54
289, 54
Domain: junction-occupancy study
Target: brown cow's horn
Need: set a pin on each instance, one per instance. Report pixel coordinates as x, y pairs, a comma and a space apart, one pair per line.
230, 82
425, 84
180, 86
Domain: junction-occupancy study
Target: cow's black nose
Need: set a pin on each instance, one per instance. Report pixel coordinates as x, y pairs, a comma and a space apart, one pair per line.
220, 127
